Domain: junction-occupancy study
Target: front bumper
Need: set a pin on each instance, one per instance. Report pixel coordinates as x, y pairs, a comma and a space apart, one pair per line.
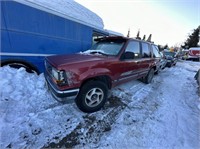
60, 94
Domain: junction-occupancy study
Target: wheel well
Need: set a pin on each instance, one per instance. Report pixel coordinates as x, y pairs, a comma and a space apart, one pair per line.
154, 67
105, 79
20, 63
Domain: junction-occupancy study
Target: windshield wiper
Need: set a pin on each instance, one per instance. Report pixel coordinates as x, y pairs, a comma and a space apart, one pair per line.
98, 52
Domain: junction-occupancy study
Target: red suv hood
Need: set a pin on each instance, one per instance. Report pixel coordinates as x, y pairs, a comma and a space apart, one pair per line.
61, 60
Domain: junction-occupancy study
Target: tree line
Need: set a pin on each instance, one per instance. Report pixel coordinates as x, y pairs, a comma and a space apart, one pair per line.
193, 39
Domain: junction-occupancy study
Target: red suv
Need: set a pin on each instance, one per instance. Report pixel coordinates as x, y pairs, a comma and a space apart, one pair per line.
90, 75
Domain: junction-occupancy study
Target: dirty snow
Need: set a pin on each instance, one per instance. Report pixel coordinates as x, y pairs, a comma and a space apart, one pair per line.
163, 114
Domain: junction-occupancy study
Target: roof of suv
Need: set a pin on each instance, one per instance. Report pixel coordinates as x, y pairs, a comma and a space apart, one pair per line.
111, 38
122, 38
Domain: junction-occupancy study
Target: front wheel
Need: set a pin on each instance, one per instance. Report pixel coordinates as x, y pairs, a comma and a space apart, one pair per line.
92, 96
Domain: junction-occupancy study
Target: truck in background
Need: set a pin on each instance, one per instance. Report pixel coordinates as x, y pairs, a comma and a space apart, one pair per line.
194, 53
32, 30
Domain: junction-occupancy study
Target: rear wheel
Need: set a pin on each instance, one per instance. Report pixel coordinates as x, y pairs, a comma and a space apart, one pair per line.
18, 64
158, 71
174, 64
92, 96
149, 76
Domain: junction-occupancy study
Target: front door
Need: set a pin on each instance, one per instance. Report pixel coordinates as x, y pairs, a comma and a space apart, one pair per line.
130, 61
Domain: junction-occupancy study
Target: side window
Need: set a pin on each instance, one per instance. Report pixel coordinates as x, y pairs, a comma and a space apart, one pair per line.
145, 50
155, 51
132, 50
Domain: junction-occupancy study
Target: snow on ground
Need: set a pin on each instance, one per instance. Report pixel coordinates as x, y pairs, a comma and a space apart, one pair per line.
29, 116
163, 114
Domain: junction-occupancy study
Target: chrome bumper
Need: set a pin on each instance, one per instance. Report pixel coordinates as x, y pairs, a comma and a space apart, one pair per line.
59, 94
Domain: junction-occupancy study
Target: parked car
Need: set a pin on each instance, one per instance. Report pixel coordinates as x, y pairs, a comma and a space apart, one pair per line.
171, 58
88, 76
163, 61
157, 57
194, 53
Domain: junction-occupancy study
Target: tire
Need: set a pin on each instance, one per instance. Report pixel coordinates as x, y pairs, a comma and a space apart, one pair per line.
92, 96
157, 72
149, 76
174, 64
18, 64
170, 65
28, 69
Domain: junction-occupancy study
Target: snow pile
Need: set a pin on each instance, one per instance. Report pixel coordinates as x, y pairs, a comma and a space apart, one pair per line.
68, 9
163, 114
29, 116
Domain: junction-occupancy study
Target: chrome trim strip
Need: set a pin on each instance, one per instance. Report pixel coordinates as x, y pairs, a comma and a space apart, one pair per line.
125, 78
23, 54
145, 72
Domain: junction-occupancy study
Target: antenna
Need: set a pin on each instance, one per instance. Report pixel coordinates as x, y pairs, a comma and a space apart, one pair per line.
128, 35
144, 37
138, 35
149, 38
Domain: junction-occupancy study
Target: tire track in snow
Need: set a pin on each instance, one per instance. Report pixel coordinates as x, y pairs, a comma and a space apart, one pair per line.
179, 117
92, 127
142, 103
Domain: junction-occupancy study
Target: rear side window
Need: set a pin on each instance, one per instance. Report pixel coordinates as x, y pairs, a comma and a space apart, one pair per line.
155, 51
134, 48
145, 50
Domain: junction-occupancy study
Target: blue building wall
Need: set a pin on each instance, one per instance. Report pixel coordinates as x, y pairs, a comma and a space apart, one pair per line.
34, 33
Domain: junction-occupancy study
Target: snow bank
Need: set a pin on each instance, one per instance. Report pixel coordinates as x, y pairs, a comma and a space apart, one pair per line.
29, 116
163, 114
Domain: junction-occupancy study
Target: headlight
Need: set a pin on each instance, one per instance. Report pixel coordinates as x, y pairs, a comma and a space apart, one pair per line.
59, 76
55, 74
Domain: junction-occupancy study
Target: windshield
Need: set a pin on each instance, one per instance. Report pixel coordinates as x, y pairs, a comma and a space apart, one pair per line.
169, 54
110, 48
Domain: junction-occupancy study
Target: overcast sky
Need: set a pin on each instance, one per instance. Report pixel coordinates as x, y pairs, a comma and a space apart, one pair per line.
169, 21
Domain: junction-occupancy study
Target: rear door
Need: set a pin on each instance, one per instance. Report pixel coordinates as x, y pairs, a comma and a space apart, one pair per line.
146, 60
